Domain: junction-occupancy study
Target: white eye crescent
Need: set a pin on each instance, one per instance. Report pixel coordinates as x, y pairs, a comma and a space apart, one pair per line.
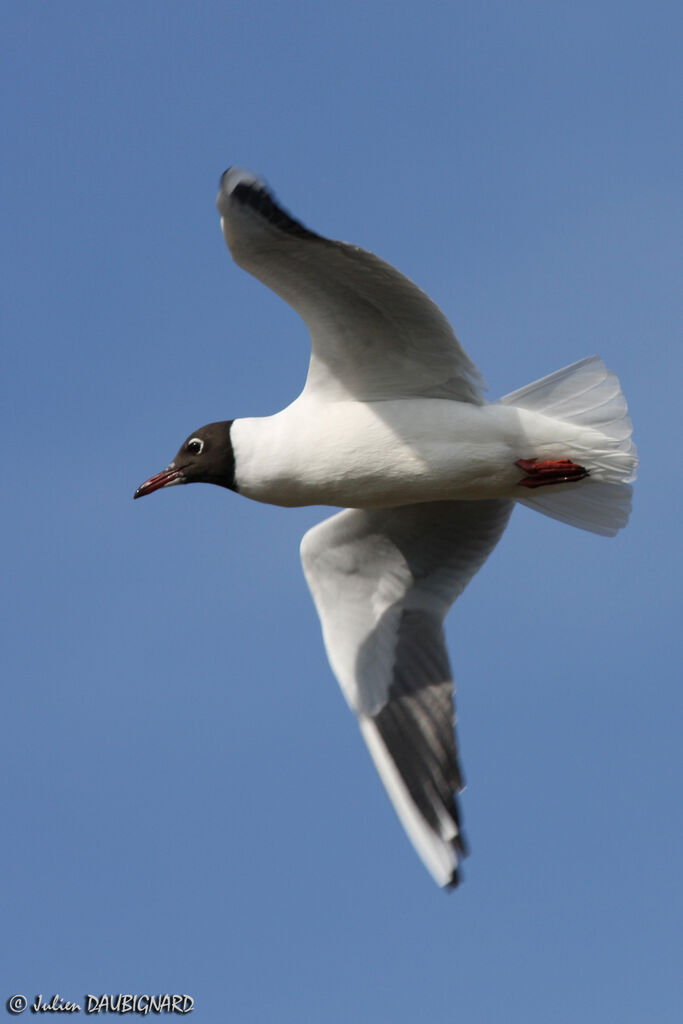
195, 445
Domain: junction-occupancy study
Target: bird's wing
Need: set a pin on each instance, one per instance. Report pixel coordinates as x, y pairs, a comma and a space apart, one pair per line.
382, 581
374, 334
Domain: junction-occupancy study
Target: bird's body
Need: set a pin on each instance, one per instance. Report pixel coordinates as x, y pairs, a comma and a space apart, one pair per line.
392, 427
398, 452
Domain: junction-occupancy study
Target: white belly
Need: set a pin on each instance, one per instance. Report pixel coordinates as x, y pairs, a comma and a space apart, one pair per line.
364, 455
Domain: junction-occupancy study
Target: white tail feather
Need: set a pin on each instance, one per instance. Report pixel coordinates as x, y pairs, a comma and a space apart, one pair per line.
589, 395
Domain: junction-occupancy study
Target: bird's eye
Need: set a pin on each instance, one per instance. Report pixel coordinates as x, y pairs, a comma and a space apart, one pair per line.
195, 446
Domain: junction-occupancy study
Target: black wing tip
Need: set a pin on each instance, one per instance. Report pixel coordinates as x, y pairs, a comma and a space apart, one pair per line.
462, 850
454, 881
250, 190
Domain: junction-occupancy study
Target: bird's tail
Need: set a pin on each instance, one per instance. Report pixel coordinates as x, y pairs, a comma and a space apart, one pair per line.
587, 394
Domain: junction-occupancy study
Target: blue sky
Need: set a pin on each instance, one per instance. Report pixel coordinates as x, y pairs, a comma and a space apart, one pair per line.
188, 805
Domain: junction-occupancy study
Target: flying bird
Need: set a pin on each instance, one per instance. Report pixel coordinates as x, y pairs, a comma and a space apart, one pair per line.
392, 427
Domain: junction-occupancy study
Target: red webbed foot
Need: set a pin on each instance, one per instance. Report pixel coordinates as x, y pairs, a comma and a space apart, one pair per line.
550, 471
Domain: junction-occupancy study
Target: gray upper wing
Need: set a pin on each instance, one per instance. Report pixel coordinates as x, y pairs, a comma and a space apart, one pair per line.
374, 334
383, 581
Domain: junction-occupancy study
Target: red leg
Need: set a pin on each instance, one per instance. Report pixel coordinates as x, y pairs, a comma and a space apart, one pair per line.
550, 471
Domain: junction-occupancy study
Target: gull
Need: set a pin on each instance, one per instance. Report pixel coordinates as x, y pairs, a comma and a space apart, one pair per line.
392, 427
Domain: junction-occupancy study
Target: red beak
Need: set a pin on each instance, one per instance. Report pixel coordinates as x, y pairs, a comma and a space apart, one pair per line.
164, 479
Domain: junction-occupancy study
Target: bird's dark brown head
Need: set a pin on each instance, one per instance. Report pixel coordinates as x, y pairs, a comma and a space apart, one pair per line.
205, 457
